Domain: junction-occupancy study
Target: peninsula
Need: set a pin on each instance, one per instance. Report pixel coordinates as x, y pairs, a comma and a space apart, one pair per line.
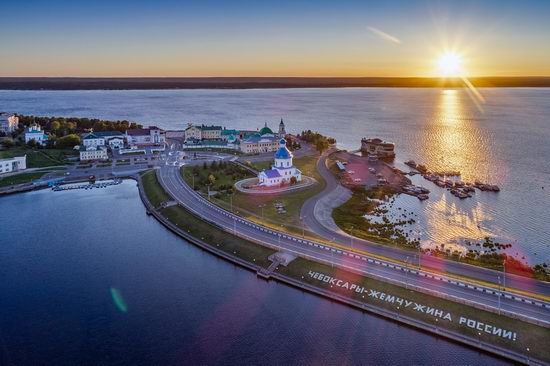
187, 181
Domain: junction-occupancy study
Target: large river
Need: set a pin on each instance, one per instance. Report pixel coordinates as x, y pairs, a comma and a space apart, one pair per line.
62, 252
503, 141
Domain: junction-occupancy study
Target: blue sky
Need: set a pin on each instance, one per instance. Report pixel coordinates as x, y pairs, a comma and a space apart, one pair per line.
310, 38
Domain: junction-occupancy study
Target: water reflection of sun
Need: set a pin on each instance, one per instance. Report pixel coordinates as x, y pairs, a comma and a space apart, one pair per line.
455, 142
448, 133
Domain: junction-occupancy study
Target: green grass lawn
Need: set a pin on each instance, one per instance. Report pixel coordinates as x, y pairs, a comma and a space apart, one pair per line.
250, 206
200, 229
226, 175
349, 217
217, 238
261, 165
528, 335
153, 189
37, 158
20, 178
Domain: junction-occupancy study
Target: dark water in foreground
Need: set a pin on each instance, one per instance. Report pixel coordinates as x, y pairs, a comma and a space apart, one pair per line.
61, 253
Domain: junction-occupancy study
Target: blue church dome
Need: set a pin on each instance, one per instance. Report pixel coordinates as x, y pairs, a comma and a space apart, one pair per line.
283, 152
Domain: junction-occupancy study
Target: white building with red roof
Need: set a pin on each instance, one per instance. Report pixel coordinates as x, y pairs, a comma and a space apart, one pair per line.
146, 136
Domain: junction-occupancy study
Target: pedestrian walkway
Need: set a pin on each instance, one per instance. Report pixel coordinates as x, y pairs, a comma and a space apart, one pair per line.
277, 259
255, 189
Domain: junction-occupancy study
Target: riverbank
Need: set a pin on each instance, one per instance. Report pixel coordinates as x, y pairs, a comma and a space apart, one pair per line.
66, 83
512, 346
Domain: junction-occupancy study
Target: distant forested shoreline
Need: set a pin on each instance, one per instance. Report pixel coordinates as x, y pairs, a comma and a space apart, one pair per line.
77, 83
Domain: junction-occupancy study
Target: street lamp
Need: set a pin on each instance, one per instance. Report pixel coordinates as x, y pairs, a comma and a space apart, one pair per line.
499, 294
331, 253
418, 236
351, 237
262, 207
504, 269
407, 274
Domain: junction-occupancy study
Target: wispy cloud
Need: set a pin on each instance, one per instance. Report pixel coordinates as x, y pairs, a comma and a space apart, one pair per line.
385, 36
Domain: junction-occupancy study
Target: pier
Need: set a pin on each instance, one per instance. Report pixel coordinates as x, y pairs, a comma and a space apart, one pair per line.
87, 186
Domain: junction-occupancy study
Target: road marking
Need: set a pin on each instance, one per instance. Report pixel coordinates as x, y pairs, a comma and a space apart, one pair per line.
195, 196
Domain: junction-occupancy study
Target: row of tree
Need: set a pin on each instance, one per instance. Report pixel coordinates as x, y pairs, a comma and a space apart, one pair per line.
63, 132
65, 142
61, 126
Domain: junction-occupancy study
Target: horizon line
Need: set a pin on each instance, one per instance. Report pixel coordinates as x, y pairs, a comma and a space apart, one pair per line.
274, 77
261, 82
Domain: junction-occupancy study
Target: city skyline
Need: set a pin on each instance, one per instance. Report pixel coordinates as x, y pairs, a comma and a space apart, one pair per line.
321, 39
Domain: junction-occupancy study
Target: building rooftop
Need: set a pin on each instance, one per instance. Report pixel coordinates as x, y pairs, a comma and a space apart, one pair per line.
272, 173
255, 138
266, 130
90, 148
34, 129
142, 131
138, 132
376, 141
108, 133
13, 158
210, 128
283, 152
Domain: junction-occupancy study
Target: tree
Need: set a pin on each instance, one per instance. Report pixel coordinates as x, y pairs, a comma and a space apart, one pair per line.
321, 145
204, 166
213, 166
32, 143
8, 143
212, 179
55, 126
68, 141
52, 141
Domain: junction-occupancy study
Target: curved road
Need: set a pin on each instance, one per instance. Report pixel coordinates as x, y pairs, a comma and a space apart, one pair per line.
173, 183
427, 261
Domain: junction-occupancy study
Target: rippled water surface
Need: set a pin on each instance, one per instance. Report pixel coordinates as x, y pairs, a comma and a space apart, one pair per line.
63, 252
504, 141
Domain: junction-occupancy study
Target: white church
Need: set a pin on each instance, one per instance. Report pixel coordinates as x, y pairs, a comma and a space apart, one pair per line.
282, 171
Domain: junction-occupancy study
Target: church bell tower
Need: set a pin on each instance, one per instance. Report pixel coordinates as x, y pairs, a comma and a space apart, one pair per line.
282, 131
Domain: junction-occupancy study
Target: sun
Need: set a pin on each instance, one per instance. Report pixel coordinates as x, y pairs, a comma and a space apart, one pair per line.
449, 64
